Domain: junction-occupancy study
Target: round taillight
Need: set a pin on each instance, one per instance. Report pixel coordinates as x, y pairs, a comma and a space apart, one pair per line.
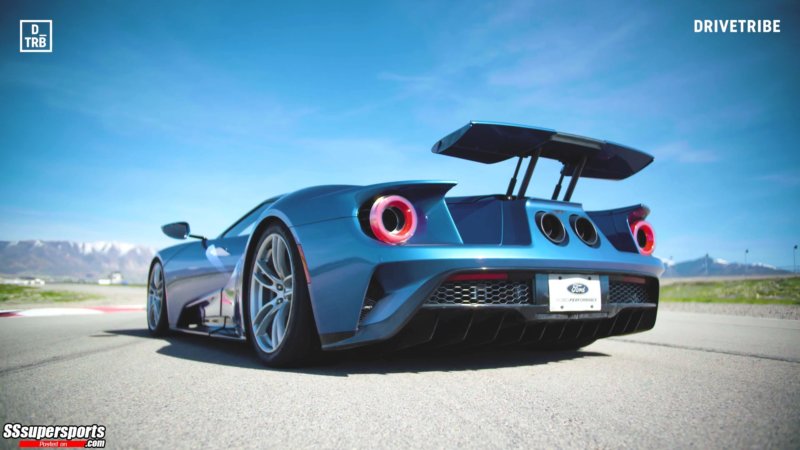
644, 236
393, 219
551, 227
585, 230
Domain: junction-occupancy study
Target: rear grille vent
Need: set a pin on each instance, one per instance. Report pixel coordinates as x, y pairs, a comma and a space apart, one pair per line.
483, 292
624, 292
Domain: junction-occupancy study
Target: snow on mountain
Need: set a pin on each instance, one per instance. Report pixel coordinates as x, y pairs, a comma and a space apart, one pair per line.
121, 248
666, 262
78, 261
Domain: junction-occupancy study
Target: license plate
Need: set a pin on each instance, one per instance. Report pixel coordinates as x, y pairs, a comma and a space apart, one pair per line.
570, 293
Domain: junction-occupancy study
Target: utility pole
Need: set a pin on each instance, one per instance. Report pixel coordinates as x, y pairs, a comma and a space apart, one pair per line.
794, 259
746, 251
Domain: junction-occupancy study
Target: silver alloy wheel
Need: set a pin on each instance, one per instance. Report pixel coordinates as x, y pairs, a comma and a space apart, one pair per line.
271, 292
155, 296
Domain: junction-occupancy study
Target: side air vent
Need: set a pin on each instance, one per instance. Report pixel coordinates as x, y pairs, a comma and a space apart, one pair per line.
374, 294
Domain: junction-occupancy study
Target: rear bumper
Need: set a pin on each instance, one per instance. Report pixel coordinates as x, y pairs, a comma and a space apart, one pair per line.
516, 310
345, 271
443, 326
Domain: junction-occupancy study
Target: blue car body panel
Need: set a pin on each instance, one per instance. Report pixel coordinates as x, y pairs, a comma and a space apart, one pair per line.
463, 234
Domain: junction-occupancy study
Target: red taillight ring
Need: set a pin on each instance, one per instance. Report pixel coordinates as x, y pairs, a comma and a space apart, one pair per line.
396, 204
649, 237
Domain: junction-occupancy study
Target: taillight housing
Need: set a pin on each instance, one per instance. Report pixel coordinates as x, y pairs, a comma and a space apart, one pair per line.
393, 219
644, 237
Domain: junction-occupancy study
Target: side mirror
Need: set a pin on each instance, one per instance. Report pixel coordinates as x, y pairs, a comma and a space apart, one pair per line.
177, 230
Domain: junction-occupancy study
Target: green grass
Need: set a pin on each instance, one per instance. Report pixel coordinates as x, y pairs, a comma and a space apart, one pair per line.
776, 291
10, 293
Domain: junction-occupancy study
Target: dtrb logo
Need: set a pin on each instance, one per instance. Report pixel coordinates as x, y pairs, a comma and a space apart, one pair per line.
36, 36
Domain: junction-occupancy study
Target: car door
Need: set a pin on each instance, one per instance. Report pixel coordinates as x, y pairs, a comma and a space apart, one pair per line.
227, 253
197, 275
224, 254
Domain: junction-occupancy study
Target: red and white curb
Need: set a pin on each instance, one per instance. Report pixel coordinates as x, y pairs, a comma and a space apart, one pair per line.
86, 311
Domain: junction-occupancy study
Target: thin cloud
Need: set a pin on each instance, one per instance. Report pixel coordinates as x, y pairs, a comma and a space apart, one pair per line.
567, 60
192, 111
785, 179
389, 76
682, 152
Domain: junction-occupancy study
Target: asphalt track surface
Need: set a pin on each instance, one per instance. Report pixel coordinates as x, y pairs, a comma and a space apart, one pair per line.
696, 380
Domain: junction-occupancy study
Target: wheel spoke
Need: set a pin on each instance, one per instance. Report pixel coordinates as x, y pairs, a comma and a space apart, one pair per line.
264, 268
263, 281
277, 256
262, 319
267, 340
285, 262
154, 305
273, 332
268, 319
153, 311
287, 266
280, 324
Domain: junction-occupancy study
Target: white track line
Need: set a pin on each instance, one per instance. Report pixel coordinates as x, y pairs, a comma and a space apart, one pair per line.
52, 312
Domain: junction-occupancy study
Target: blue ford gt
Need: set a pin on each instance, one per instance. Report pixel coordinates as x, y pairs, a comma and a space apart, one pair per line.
337, 267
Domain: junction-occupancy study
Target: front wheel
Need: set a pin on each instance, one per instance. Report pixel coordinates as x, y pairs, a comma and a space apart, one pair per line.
278, 317
156, 301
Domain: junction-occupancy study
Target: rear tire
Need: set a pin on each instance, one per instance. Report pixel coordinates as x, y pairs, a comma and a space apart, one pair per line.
278, 318
157, 322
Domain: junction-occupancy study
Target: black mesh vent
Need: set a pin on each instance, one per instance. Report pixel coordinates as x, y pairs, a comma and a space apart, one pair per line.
483, 292
624, 292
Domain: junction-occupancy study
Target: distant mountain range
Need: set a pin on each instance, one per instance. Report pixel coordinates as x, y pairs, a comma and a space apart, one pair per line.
715, 267
91, 261
74, 261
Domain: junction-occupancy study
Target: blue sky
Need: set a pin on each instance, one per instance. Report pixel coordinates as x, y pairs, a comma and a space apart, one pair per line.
150, 112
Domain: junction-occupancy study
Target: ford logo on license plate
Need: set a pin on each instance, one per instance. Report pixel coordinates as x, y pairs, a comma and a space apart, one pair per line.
578, 288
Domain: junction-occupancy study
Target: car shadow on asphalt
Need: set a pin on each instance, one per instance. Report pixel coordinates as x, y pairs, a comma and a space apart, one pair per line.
373, 360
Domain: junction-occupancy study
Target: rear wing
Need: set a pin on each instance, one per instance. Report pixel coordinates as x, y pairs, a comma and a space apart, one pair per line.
490, 142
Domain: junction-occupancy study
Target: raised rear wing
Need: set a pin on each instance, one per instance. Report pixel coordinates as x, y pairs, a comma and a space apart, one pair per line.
491, 142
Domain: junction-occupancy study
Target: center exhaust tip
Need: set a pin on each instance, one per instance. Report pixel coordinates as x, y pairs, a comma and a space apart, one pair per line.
585, 230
